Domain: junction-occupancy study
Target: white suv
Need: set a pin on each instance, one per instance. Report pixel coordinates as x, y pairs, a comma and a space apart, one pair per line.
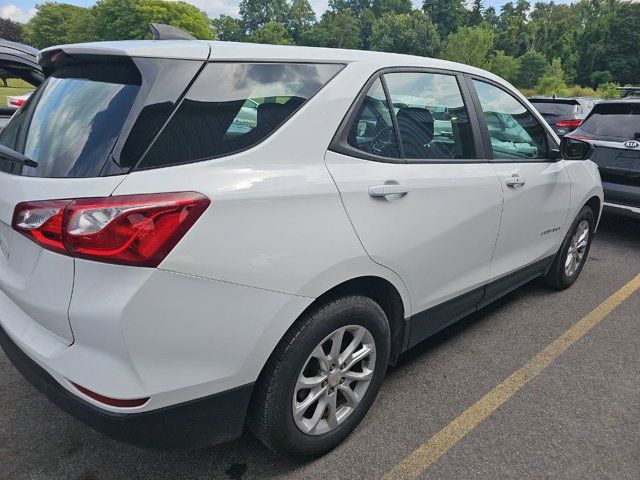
172, 272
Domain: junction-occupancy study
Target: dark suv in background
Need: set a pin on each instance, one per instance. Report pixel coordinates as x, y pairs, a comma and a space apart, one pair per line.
613, 129
564, 114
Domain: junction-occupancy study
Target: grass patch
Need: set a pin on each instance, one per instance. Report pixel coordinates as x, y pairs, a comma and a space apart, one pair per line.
14, 86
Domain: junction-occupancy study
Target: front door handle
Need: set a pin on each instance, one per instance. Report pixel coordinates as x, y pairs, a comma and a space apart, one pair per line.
515, 181
387, 189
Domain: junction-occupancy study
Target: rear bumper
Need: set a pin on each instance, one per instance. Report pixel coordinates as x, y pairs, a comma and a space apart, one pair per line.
210, 420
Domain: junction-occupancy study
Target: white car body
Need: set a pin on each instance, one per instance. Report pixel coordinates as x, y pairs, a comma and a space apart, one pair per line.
290, 219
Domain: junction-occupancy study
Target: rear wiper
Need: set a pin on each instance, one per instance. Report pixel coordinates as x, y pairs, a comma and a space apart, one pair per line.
12, 156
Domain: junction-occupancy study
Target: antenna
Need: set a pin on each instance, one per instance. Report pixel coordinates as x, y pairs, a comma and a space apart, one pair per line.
167, 32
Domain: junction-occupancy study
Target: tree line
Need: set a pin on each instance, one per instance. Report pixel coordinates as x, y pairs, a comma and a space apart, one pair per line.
547, 48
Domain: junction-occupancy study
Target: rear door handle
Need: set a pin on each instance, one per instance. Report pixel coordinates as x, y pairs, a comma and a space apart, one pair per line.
515, 180
386, 190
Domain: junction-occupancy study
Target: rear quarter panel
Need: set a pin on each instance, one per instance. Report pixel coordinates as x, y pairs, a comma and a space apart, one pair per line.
276, 220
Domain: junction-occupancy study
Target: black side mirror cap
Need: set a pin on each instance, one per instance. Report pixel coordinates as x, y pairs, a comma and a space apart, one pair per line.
573, 149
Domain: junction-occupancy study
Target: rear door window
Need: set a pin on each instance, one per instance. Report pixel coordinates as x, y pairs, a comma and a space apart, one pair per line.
431, 115
234, 106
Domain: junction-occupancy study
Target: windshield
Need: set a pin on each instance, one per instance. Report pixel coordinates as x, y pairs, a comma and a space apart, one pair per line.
70, 124
619, 121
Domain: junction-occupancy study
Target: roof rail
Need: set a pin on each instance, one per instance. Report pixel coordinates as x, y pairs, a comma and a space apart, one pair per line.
629, 91
161, 31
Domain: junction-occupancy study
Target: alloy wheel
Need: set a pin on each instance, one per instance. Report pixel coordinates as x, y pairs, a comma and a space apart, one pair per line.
577, 248
334, 380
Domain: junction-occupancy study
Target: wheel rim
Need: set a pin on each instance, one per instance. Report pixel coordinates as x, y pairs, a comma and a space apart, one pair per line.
334, 379
577, 249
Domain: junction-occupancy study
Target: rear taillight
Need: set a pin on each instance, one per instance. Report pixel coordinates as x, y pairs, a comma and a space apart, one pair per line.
42, 223
135, 230
16, 103
572, 124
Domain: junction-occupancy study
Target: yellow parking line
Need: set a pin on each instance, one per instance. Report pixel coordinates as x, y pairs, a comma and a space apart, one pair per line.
430, 451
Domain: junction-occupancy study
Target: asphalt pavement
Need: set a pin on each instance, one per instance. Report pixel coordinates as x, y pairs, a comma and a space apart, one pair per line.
577, 418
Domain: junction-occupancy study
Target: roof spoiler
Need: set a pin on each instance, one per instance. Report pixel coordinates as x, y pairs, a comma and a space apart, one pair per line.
161, 31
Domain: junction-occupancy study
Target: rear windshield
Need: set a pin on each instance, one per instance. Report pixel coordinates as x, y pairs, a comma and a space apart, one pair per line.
70, 124
614, 120
234, 106
554, 109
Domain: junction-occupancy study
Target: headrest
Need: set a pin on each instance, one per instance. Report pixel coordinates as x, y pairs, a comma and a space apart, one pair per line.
270, 115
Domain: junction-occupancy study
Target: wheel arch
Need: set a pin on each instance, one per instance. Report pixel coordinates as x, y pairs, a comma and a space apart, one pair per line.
595, 204
381, 291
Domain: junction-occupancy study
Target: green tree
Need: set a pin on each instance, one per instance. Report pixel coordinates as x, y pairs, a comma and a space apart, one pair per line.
10, 30
380, 7
353, 6
504, 66
336, 29
257, 13
531, 66
229, 29
274, 33
512, 28
301, 18
622, 44
491, 18
470, 45
446, 15
367, 19
597, 78
129, 19
411, 33
552, 82
553, 31
608, 90
591, 38
58, 23
475, 15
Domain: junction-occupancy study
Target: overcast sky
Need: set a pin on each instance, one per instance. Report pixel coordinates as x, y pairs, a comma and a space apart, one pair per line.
22, 10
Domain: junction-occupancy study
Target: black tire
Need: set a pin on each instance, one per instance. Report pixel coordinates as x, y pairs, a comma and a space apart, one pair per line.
270, 415
557, 276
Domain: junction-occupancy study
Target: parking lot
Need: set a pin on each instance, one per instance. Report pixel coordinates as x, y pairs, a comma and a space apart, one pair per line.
577, 417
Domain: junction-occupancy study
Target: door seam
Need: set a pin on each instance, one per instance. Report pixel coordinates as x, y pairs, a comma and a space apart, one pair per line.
355, 231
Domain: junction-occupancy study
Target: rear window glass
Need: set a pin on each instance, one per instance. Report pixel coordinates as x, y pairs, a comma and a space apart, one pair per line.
70, 125
234, 106
554, 109
615, 120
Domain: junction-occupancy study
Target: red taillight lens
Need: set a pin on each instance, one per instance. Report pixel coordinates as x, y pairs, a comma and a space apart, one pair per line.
572, 124
17, 103
41, 222
135, 230
130, 229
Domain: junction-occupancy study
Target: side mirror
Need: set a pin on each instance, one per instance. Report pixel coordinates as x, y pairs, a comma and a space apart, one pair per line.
572, 149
